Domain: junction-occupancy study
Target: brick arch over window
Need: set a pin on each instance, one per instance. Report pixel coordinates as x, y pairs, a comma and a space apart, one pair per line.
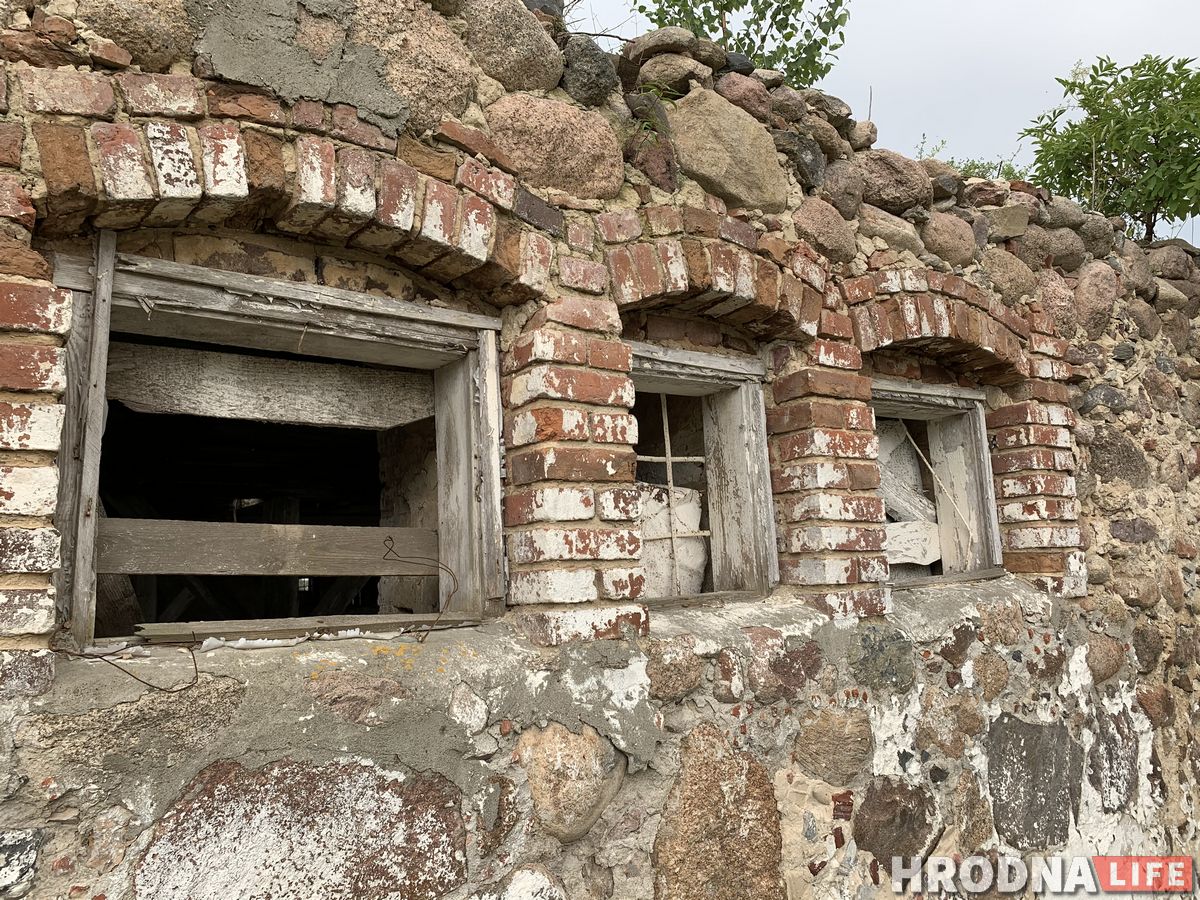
824, 451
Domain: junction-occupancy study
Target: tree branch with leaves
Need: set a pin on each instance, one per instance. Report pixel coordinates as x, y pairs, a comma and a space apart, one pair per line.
800, 38
1125, 141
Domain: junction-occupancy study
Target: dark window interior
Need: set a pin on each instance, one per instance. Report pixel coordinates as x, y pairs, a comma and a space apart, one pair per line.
156, 466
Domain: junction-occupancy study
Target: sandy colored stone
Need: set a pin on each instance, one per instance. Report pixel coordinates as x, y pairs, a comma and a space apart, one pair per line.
156, 33
720, 833
510, 45
823, 227
572, 777
950, 238
727, 151
894, 183
897, 233
556, 145
1095, 296
834, 745
1104, 657
1011, 277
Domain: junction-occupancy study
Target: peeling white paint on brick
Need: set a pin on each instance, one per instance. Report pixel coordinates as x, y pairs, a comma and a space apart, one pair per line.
28, 491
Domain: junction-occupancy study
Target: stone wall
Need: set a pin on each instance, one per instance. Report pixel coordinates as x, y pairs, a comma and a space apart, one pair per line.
471, 154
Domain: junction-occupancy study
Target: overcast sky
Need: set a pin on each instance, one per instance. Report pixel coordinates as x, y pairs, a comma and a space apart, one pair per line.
968, 72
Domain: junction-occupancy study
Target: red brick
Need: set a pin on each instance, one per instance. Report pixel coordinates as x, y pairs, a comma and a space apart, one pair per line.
553, 544
587, 463
627, 289
553, 382
583, 274
833, 538
1034, 458
545, 345
663, 220
613, 355
859, 290
176, 96
549, 504
498, 187
34, 307
66, 166
820, 414
396, 205
15, 202
108, 54
308, 115
529, 207
826, 442
18, 258
474, 142
581, 234
1030, 436
702, 222
1037, 484
176, 172
599, 314
613, 428
232, 102
12, 139
31, 367
347, 126
545, 423
740, 232
68, 92
619, 226
835, 354
821, 383
121, 162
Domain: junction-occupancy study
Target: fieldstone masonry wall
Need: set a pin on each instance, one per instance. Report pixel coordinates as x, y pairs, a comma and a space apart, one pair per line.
473, 154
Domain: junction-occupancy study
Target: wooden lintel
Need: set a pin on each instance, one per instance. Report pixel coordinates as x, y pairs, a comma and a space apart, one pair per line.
169, 547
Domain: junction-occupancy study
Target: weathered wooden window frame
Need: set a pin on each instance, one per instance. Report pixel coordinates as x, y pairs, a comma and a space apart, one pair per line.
740, 507
960, 455
138, 295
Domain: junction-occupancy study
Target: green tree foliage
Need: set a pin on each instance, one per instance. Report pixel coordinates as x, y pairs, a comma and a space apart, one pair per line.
776, 34
1125, 141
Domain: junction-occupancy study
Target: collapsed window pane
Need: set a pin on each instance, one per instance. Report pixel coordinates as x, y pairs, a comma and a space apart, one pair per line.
672, 477
908, 488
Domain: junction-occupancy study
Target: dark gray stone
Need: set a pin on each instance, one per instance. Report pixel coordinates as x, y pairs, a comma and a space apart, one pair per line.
1133, 531
1034, 773
739, 62
882, 658
646, 107
1115, 456
893, 819
843, 187
589, 75
1114, 398
549, 7
1147, 646
1112, 760
804, 154
836, 112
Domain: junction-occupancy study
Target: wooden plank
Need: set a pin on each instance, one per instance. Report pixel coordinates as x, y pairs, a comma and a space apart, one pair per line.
136, 272
918, 543
168, 547
687, 372
93, 408
985, 488
740, 514
459, 525
898, 399
270, 629
282, 316
488, 451
158, 379
956, 494
901, 501
70, 456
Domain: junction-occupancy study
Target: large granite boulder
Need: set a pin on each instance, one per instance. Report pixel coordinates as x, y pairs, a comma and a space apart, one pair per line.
897, 233
556, 145
1011, 277
893, 182
843, 187
727, 152
823, 226
511, 46
950, 238
720, 834
1095, 296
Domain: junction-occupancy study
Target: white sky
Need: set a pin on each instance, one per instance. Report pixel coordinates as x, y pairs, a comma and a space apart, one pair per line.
968, 72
